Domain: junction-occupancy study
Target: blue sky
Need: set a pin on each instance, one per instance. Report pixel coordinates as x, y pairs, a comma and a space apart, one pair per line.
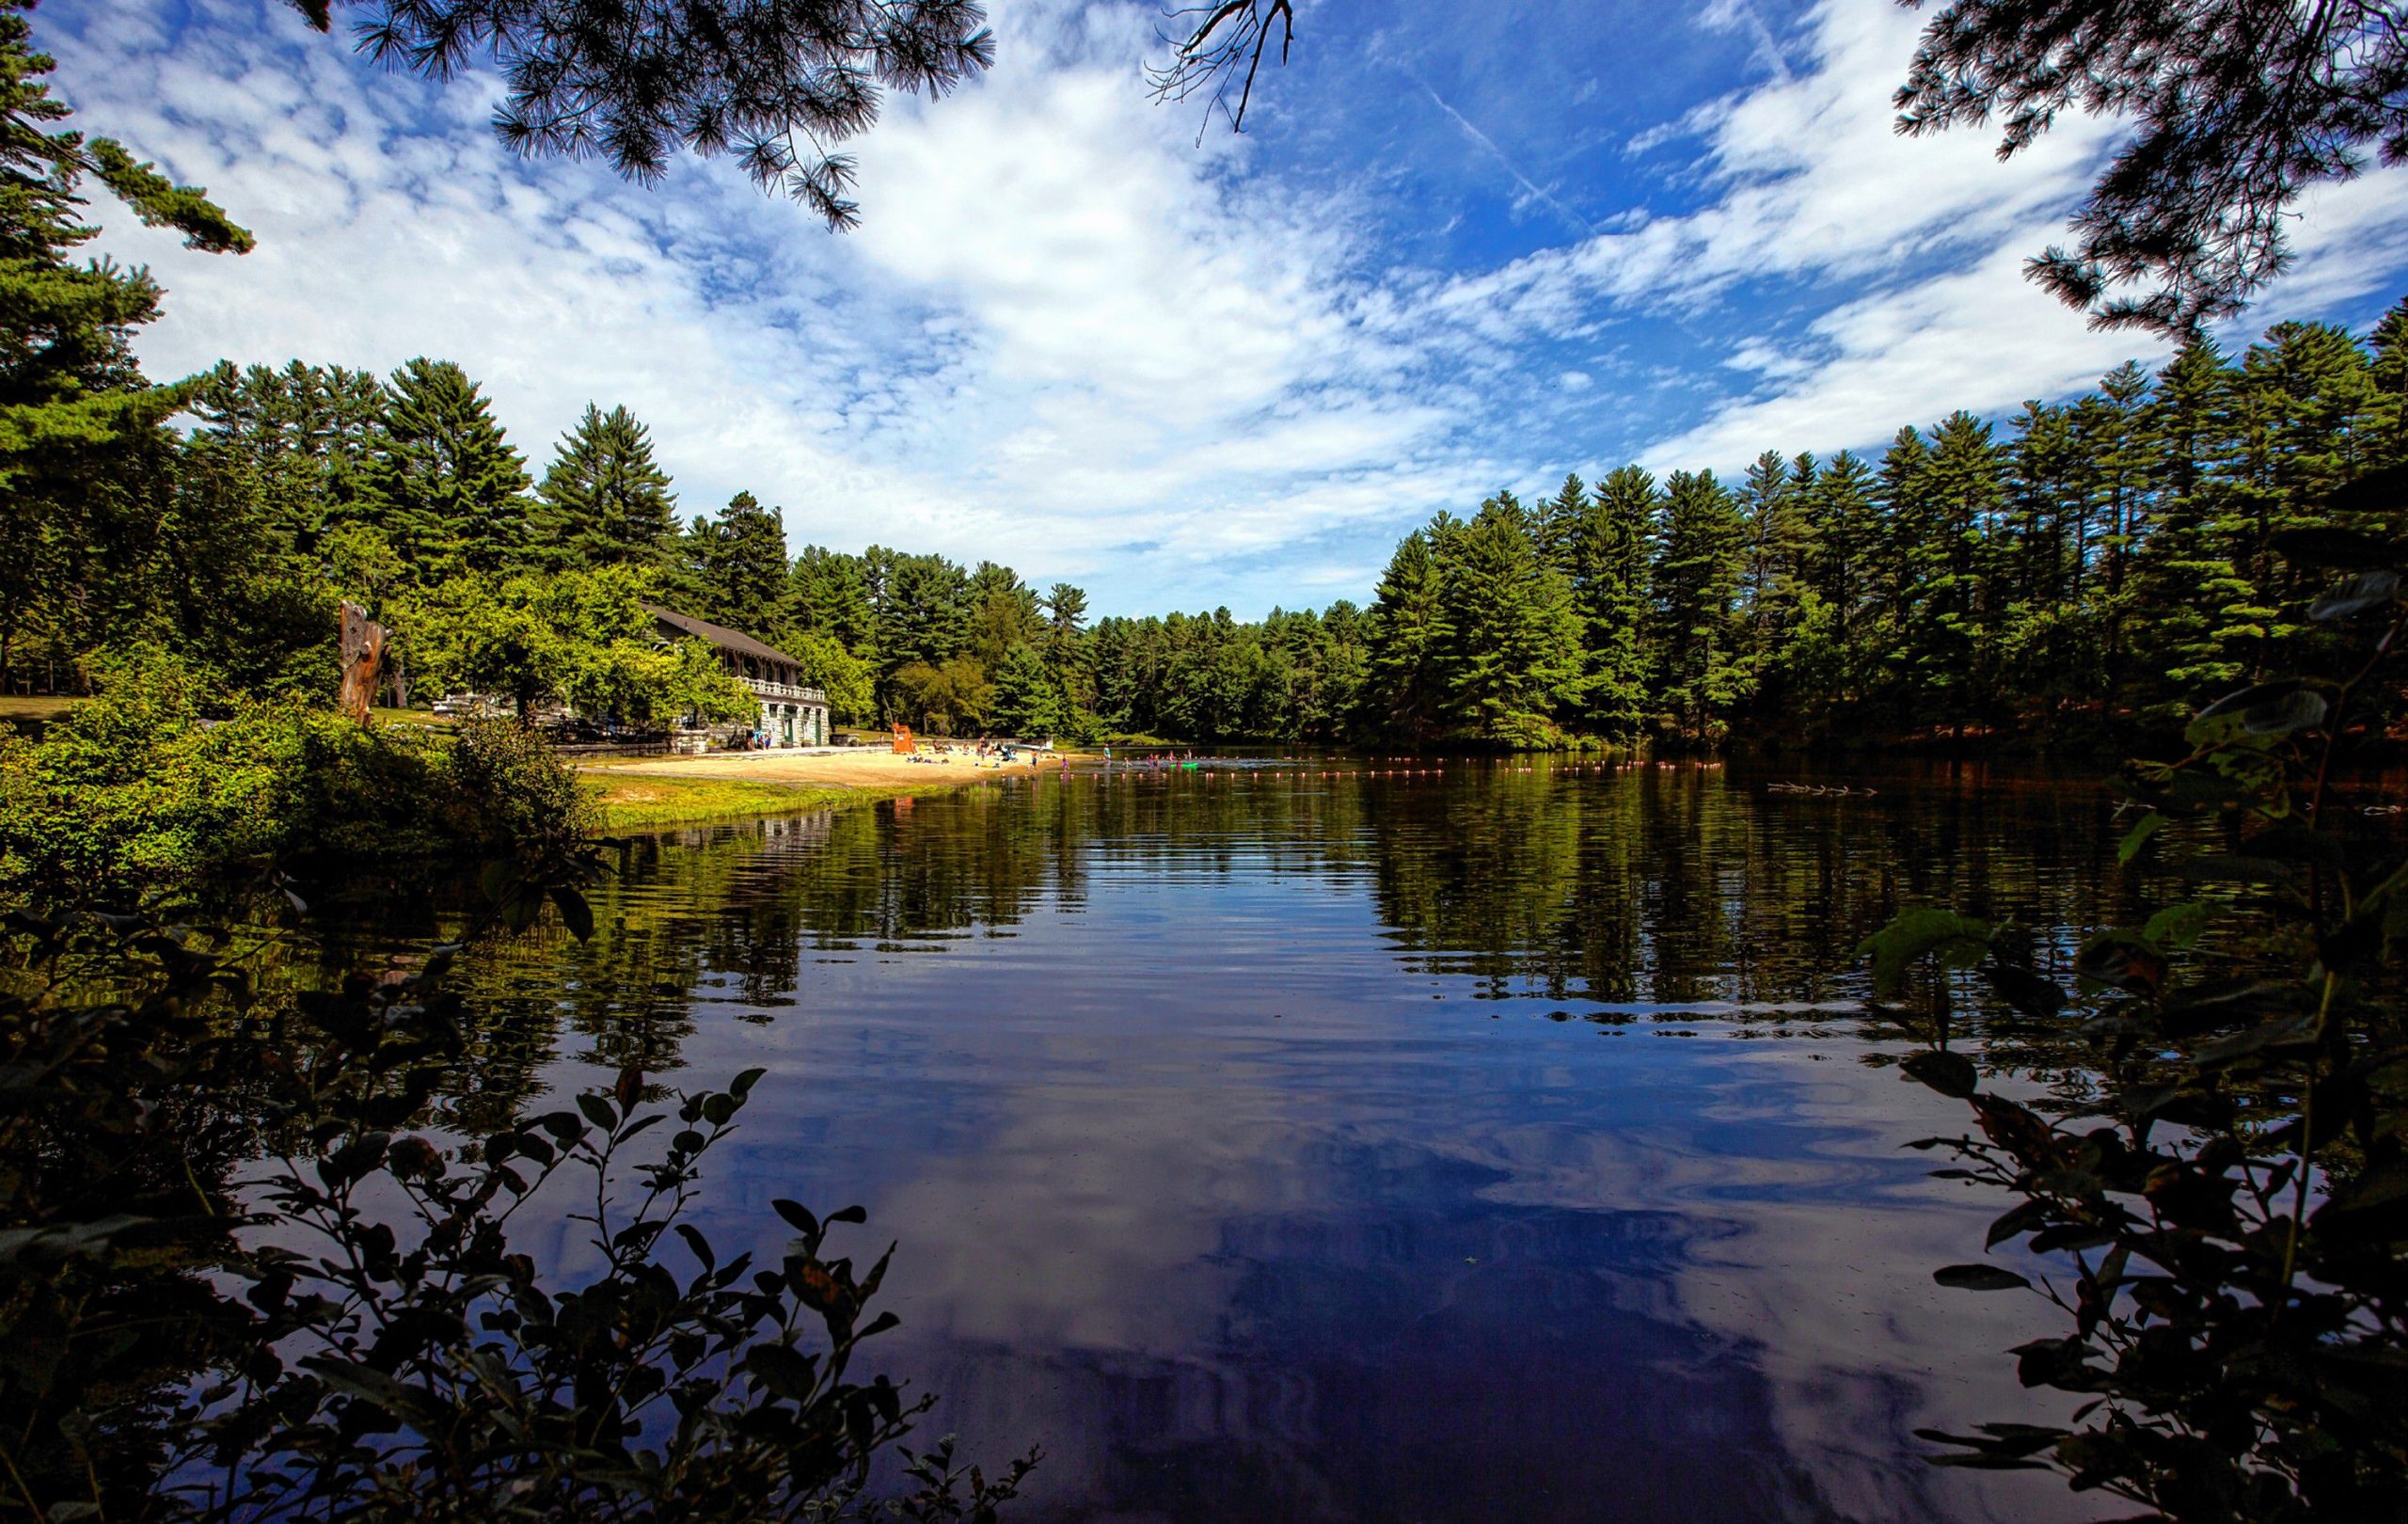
1459, 247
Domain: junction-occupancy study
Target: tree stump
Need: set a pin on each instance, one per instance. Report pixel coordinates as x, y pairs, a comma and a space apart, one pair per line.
363, 661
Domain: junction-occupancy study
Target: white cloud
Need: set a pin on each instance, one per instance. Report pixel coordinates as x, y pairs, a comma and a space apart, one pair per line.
1909, 355
1809, 182
1819, 187
1984, 339
1058, 332
1070, 336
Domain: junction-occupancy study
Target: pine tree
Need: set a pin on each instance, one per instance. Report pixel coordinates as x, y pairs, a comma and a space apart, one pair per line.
1066, 611
2200, 617
1407, 627
2160, 580
1027, 702
443, 482
1510, 641
1346, 667
305, 433
2388, 369
1764, 500
1559, 520
83, 454
604, 501
2316, 394
1804, 671
1700, 669
1121, 682
224, 586
1004, 614
1065, 608
924, 613
1603, 553
830, 596
736, 567
2302, 400
2052, 492
781, 88
2119, 425
1841, 506
1779, 536
1909, 525
1963, 490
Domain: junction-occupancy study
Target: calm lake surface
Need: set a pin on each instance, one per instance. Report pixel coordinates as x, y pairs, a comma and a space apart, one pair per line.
1299, 1140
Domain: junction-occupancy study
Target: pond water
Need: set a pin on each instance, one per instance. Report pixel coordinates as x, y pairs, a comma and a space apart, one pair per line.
1299, 1140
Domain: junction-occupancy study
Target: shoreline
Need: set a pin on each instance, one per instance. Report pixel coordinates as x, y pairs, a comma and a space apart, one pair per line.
640, 793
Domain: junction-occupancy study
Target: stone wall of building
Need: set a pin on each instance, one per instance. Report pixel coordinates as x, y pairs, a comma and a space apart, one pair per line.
791, 722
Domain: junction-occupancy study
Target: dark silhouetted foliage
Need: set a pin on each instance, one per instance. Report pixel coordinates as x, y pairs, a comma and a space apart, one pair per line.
779, 84
253, 1265
2223, 1214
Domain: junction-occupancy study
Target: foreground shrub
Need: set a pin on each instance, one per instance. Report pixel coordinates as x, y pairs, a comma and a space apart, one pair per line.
2224, 1212
250, 1271
164, 779
505, 787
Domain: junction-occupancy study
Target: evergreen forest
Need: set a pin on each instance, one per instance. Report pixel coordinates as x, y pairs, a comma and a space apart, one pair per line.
2071, 576
2079, 573
303, 1009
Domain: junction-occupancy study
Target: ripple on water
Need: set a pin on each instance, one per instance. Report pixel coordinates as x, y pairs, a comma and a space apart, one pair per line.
1249, 1141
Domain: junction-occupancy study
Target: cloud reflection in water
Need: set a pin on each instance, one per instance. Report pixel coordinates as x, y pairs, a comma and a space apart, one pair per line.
1196, 1184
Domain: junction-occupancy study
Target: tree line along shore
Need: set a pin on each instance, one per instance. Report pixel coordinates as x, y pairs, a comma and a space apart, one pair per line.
2075, 574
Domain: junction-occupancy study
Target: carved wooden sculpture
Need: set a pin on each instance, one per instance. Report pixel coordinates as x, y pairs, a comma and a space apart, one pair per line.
363, 661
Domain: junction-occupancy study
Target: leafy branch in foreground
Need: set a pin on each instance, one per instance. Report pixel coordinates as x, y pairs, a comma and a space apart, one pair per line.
777, 83
248, 1273
2240, 106
2226, 1212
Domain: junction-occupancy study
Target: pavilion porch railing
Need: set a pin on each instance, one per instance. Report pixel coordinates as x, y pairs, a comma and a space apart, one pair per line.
785, 692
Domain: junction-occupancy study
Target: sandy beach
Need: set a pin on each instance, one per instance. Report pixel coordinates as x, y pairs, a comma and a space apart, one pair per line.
863, 767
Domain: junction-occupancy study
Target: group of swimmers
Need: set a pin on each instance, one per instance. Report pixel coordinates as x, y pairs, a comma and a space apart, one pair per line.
1154, 761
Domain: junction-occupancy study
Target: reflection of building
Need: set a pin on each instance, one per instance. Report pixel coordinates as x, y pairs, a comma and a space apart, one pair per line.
791, 714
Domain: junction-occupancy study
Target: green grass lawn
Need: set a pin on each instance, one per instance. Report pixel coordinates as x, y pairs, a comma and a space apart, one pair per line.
43, 707
634, 801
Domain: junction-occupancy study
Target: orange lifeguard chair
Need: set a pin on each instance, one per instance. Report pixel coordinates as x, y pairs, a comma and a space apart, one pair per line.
904, 745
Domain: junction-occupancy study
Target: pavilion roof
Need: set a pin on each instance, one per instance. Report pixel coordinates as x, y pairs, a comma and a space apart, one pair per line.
719, 635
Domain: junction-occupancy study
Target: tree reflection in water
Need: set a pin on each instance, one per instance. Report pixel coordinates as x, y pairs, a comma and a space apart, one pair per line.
1233, 1153
1197, 1182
